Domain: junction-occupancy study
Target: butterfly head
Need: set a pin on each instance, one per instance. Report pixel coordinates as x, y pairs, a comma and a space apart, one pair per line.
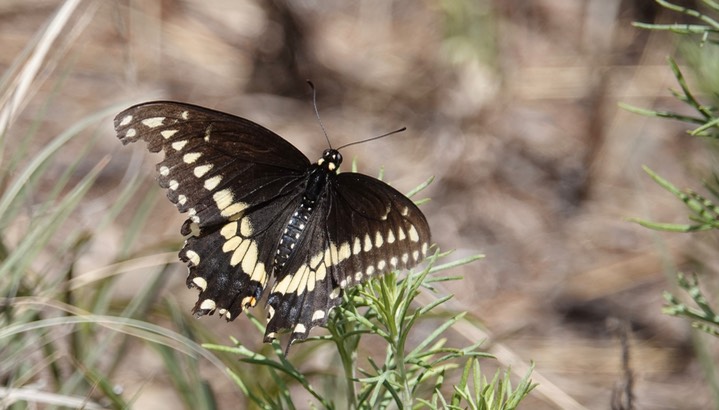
331, 160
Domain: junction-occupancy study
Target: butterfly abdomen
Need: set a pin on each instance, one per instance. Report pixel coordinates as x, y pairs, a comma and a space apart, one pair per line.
293, 233
317, 181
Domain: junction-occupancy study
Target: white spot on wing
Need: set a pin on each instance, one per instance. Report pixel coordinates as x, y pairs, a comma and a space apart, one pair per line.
231, 244
390, 236
259, 274
245, 228
202, 170
164, 171
153, 122
281, 286
125, 120
335, 292
223, 198
367, 243
316, 260
321, 272
378, 241
413, 235
213, 182
330, 254
294, 283
300, 328
208, 304
229, 230
250, 259
167, 134
311, 280
191, 157
178, 145
130, 133
200, 283
239, 253
234, 209
193, 257
401, 234
318, 315
192, 212
304, 283
343, 252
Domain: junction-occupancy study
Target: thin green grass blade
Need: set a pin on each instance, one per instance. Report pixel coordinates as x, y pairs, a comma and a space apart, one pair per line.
41, 232
420, 187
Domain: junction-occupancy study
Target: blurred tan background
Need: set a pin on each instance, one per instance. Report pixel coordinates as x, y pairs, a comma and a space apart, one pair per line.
511, 105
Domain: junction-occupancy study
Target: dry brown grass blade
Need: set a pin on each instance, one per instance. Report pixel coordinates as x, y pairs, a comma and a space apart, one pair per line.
14, 98
105, 272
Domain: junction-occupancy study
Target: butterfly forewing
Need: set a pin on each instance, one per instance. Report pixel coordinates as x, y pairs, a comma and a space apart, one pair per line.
209, 151
246, 192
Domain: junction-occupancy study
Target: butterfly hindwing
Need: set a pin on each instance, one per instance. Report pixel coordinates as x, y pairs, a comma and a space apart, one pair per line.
306, 291
362, 228
390, 230
232, 265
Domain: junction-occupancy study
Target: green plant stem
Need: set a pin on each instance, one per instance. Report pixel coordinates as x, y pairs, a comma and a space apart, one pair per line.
398, 354
707, 363
348, 365
688, 95
689, 12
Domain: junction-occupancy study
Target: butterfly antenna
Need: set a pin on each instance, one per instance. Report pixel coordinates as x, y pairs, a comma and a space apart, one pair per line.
374, 138
317, 112
324, 131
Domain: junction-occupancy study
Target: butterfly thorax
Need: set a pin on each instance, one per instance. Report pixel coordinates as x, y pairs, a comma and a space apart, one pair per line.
319, 175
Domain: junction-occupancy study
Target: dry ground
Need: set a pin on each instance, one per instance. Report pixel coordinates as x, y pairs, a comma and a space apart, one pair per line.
511, 105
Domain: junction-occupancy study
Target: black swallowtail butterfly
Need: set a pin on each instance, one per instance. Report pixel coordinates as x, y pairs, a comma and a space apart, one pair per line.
259, 209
